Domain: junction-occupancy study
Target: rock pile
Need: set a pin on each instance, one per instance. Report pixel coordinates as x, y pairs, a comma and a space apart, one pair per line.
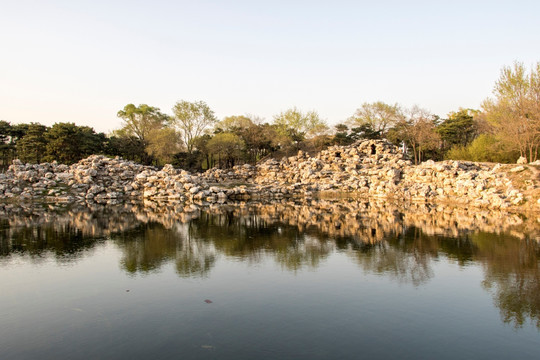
343, 168
371, 169
458, 181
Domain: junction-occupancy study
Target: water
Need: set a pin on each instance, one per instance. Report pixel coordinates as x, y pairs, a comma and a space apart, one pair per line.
315, 280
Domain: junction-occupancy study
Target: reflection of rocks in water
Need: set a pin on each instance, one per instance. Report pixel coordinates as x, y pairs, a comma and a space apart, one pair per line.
399, 241
246, 228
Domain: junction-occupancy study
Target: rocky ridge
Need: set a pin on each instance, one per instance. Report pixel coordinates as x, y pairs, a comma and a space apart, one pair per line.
370, 169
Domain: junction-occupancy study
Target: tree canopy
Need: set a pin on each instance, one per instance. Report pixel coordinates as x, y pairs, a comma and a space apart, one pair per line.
378, 116
192, 119
515, 110
295, 125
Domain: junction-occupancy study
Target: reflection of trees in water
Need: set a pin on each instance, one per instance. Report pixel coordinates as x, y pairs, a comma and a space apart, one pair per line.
380, 238
148, 247
512, 275
250, 237
64, 241
406, 257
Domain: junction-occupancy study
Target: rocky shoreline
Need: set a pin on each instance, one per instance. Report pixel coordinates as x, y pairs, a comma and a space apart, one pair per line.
367, 169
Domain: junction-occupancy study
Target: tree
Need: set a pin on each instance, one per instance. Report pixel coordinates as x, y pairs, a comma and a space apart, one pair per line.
139, 122
127, 147
258, 137
485, 147
379, 116
163, 144
296, 125
69, 143
459, 129
260, 140
341, 136
417, 131
192, 119
201, 144
515, 110
228, 147
6, 147
32, 145
234, 124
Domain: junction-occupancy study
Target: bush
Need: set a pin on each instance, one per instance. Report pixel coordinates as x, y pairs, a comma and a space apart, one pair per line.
485, 148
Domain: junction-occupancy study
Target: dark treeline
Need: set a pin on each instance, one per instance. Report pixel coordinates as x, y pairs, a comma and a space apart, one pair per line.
63, 142
507, 127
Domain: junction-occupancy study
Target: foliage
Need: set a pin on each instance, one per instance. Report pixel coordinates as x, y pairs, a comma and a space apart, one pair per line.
234, 124
485, 148
228, 147
68, 143
127, 147
515, 110
163, 144
31, 147
417, 131
296, 125
459, 129
344, 136
378, 116
141, 123
9, 134
260, 141
192, 119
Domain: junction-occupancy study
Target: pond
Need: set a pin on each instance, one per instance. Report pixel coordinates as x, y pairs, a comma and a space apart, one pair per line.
285, 280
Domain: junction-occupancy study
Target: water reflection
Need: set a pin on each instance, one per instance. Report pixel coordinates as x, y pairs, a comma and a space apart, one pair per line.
398, 242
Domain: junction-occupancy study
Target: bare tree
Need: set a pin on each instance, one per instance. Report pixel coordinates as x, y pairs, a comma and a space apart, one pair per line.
418, 131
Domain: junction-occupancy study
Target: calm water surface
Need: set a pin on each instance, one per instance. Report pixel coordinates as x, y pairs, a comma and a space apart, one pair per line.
312, 280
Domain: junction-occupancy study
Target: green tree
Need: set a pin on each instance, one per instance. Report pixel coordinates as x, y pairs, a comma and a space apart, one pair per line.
234, 124
459, 129
129, 148
341, 136
163, 144
138, 125
17, 132
377, 116
68, 143
485, 148
259, 138
201, 144
6, 146
294, 126
192, 119
140, 121
515, 110
228, 147
31, 147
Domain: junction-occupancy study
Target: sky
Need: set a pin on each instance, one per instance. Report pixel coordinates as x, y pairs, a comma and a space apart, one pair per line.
83, 61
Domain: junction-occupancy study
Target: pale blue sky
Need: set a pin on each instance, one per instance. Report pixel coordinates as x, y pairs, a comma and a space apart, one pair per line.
82, 61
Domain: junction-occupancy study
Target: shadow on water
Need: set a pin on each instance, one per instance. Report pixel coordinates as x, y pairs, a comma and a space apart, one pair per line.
399, 243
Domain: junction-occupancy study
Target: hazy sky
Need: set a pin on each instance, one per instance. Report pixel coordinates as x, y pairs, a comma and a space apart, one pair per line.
82, 61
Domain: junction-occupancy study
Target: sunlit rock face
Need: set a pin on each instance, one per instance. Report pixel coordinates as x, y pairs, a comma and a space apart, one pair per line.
368, 169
